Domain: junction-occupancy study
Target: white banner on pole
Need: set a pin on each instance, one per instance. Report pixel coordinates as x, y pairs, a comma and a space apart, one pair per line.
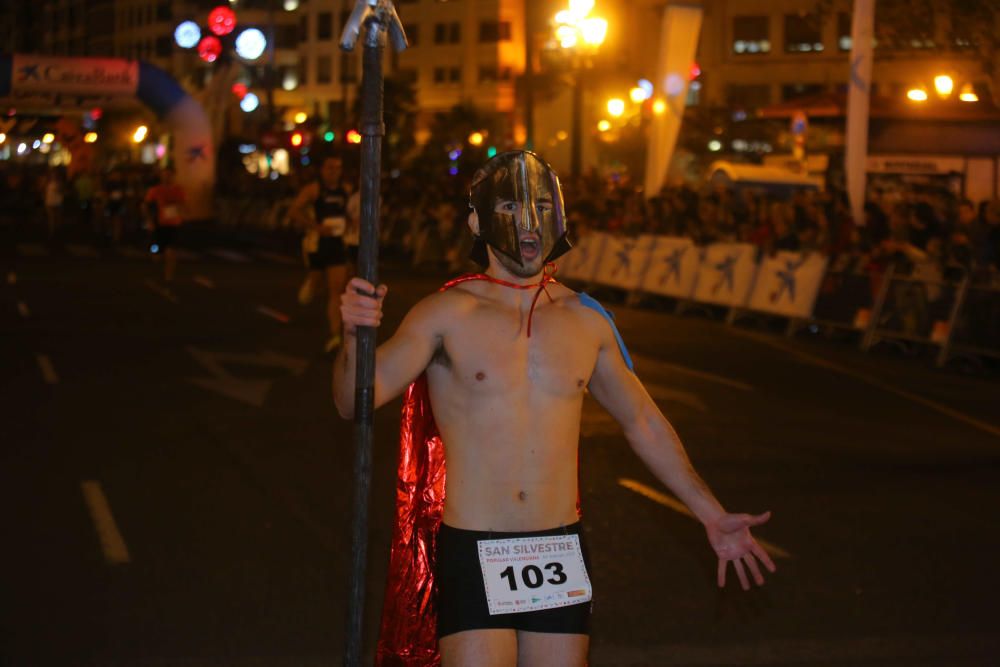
624, 261
581, 262
858, 93
726, 274
673, 267
679, 31
787, 284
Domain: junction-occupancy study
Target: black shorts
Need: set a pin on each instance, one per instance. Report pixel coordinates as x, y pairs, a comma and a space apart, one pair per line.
331, 252
165, 236
461, 600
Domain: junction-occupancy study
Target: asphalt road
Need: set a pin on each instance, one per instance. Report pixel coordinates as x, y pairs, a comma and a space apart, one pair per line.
176, 484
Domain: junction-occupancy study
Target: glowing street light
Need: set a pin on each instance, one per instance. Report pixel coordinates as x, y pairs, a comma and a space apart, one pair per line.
301, 117
659, 107
616, 107
916, 95
249, 102
250, 44
3, 137
637, 94
90, 137
187, 34
476, 139
603, 125
968, 94
943, 85
140, 134
48, 138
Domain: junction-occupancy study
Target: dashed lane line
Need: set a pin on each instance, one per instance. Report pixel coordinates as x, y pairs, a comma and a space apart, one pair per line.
22, 308
273, 314
992, 429
48, 370
679, 507
650, 363
162, 291
112, 543
204, 282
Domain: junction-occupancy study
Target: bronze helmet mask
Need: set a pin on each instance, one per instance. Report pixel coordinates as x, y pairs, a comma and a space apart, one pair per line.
523, 177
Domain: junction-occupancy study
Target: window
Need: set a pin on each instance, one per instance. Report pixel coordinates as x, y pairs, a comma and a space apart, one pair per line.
455, 75
796, 91
304, 28
324, 69
751, 34
324, 26
748, 96
286, 37
303, 69
412, 31
492, 73
843, 31
802, 33
494, 31
447, 33
440, 74
164, 12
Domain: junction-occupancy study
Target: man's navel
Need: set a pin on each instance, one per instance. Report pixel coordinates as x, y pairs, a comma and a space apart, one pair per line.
522, 496
480, 376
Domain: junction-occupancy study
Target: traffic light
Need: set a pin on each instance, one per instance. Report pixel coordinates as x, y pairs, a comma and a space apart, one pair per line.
296, 139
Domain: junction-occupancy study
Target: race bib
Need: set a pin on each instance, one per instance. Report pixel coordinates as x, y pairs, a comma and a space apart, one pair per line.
533, 573
336, 225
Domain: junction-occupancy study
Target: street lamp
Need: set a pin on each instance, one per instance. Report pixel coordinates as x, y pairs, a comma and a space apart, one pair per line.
580, 35
918, 94
944, 85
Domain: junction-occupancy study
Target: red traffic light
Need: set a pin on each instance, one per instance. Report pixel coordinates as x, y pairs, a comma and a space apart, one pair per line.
221, 20
240, 90
209, 49
353, 137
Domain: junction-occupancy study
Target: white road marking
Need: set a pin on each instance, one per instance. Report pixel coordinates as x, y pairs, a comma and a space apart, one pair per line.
230, 255
666, 367
273, 314
204, 282
992, 429
252, 391
82, 251
277, 257
678, 506
165, 293
48, 370
112, 543
11, 278
22, 308
32, 250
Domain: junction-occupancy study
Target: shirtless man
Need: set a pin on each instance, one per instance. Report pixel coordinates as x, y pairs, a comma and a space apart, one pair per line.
508, 406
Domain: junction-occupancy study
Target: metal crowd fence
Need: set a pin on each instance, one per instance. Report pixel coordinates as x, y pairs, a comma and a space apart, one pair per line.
916, 306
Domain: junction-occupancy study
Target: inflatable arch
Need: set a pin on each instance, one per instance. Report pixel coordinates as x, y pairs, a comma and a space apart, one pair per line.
82, 83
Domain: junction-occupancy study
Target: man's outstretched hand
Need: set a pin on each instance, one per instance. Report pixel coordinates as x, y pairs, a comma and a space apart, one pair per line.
730, 537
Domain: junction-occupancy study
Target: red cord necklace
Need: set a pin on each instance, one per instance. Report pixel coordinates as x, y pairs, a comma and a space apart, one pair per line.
548, 276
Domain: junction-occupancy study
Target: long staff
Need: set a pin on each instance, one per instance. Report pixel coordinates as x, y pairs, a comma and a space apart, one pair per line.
376, 17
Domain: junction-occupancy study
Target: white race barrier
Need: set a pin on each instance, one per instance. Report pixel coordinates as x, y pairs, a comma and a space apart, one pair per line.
624, 260
787, 284
582, 261
726, 274
673, 267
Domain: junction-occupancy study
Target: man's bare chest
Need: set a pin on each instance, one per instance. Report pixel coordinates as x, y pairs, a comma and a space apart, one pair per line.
489, 352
